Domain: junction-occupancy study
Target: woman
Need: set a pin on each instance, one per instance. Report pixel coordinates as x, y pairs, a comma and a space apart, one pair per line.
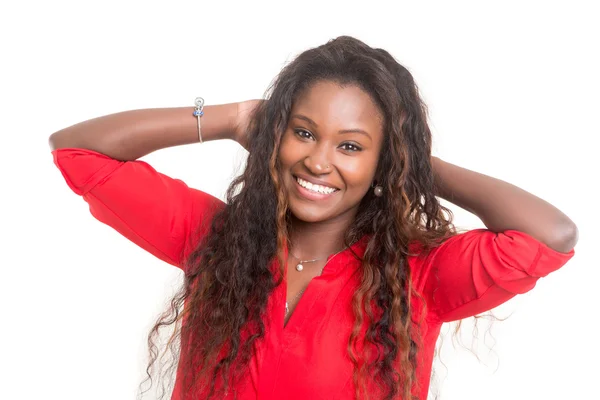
332, 266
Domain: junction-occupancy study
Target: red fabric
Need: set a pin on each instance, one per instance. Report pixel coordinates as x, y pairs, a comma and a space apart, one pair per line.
307, 359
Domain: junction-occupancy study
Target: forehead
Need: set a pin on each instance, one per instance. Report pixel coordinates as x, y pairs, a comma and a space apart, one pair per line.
331, 105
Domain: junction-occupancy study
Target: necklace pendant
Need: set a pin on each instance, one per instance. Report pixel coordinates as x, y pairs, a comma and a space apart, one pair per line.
299, 267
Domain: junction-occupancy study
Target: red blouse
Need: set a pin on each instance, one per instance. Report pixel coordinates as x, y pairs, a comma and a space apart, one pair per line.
470, 273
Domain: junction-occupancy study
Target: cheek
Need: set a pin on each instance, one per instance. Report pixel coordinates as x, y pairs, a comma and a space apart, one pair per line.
287, 151
359, 175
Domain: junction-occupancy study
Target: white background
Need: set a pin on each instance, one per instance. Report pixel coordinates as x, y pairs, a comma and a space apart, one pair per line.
513, 93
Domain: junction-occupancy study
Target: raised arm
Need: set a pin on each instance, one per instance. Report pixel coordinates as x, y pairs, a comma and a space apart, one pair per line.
129, 135
526, 239
502, 206
98, 159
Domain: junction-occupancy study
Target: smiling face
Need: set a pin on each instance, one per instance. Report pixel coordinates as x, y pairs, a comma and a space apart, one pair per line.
329, 151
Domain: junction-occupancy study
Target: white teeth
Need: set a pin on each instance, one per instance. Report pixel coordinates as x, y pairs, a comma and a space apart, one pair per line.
315, 188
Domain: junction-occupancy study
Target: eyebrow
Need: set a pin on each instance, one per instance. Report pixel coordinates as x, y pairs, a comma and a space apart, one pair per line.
313, 123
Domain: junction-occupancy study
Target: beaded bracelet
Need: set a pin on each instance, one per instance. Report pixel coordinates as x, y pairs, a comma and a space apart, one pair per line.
198, 112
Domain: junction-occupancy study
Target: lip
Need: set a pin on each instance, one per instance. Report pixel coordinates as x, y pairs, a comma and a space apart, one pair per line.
314, 181
310, 195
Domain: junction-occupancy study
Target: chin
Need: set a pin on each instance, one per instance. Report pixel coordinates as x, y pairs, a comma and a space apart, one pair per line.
309, 213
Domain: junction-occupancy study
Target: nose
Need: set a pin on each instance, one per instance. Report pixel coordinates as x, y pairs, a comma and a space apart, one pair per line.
318, 161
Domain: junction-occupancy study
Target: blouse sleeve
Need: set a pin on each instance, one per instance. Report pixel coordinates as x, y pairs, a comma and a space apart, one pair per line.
478, 270
160, 214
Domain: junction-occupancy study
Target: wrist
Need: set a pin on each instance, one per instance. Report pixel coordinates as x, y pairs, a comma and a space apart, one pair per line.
236, 122
436, 168
218, 122
229, 115
244, 113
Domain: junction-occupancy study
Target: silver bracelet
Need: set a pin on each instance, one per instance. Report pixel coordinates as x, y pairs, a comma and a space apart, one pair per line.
198, 112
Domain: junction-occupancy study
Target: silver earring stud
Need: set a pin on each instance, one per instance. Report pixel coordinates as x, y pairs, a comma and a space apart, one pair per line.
378, 190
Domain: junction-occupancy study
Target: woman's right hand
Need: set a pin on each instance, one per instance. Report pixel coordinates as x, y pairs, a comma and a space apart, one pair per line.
245, 112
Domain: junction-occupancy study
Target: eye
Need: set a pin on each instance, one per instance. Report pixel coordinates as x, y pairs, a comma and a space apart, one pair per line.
304, 134
350, 147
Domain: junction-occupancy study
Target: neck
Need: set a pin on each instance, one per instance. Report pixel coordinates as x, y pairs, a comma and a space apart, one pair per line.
311, 240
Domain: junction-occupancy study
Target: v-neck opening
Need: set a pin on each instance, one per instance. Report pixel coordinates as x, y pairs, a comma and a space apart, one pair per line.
307, 301
300, 300
302, 308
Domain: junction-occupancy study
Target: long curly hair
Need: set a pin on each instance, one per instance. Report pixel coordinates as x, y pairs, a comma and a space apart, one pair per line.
219, 313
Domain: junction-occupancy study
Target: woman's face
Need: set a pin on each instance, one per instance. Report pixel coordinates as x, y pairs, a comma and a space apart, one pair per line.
329, 151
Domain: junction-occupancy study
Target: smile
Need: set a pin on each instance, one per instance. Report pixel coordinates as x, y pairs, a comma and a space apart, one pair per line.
316, 190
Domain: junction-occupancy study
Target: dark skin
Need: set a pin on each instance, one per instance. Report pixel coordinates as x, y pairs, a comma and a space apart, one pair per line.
334, 135
317, 150
502, 206
318, 227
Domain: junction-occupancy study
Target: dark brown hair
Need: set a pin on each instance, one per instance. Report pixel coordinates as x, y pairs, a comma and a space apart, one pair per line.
228, 280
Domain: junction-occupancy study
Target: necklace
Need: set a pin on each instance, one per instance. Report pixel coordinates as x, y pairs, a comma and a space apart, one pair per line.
300, 265
287, 309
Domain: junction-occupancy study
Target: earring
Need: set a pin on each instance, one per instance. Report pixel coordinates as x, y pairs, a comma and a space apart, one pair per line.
378, 190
